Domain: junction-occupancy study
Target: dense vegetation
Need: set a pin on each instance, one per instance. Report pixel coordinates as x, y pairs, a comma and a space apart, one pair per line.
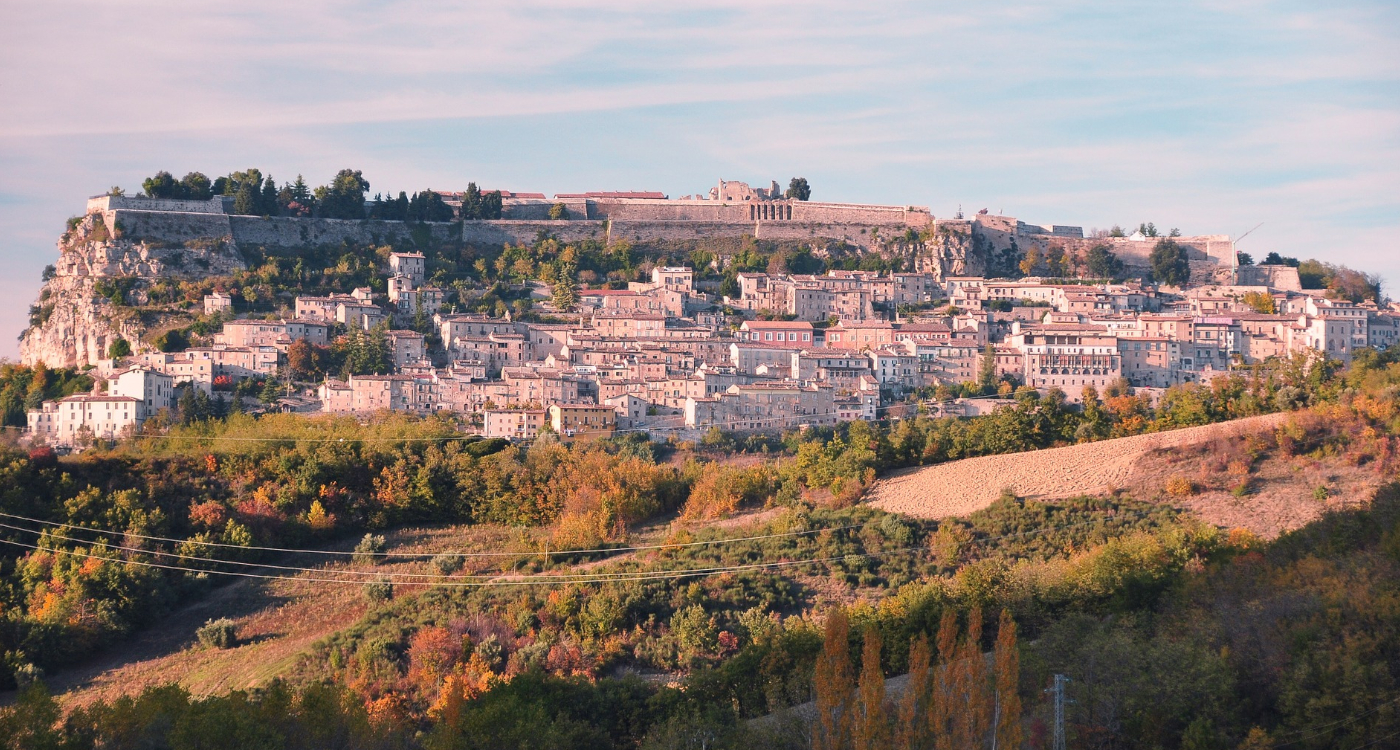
286, 480
1141, 607
24, 388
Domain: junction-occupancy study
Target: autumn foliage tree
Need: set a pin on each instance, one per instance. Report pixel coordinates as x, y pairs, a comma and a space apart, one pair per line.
835, 686
1007, 717
872, 726
913, 727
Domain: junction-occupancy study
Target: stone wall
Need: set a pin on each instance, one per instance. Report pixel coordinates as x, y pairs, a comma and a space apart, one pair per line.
292, 232
168, 226
998, 232
515, 232
216, 205
173, 227
537, 209
710, 211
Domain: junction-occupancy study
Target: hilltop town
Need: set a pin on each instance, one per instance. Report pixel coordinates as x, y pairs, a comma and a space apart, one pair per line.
744, 309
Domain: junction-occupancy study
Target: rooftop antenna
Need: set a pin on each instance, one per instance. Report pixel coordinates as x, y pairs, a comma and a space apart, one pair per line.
1246, 234
959, 214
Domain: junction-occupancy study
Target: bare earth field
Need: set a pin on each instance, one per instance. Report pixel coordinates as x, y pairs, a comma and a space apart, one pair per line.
957, 488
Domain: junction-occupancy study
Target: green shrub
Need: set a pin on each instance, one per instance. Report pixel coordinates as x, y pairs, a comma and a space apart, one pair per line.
448, 563
379, 591
220, 633
367, 551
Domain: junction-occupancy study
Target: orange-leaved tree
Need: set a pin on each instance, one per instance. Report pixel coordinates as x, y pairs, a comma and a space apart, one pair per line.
914, 723
835, 686
1007, 731
872, 728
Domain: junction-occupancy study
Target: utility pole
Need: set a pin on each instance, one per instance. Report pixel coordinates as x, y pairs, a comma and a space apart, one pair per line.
1059, 692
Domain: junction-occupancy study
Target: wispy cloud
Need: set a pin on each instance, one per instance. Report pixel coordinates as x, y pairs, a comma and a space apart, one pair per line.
1210, 116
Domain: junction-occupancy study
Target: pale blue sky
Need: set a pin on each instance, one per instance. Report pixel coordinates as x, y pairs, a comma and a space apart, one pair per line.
1211, 117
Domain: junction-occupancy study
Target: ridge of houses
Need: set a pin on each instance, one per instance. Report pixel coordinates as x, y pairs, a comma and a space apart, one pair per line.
663, 357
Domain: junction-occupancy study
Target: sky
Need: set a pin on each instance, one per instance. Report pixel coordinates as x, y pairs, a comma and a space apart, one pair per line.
1211, 117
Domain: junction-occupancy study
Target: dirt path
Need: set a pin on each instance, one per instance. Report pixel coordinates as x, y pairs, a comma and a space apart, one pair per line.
961, 487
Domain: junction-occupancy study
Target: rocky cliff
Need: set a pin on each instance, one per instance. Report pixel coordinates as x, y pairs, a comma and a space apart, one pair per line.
110, 259
75, 319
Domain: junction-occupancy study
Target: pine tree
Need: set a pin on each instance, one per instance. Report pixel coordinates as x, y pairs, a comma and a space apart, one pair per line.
565, 293
872, 727
245, 201
912, 731
267, 204
942, 713
835, 685
1008, 678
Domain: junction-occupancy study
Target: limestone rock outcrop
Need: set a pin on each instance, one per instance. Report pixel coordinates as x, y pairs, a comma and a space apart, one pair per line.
74, 320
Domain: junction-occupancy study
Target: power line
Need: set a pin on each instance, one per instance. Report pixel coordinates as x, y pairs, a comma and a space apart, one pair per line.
543, 579
638, 548
1318, 731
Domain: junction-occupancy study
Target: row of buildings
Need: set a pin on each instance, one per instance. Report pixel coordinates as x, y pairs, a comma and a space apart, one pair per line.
663, 357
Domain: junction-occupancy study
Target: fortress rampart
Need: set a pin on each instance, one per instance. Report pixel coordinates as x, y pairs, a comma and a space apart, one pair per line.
174, 226
715, 211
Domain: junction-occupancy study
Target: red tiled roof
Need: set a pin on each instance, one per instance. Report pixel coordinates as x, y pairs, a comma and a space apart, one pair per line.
612, 194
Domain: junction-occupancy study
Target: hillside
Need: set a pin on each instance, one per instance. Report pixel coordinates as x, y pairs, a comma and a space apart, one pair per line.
131, 268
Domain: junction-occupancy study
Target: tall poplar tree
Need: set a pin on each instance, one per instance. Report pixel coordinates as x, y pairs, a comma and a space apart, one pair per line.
835, 685
872, 725
912, 730
1007, 731
976, 689
943, 712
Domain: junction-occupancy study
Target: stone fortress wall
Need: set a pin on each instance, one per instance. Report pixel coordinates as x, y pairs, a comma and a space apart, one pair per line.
999, 232
732, 209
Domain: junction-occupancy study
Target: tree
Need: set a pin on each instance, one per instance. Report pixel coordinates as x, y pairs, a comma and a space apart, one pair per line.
1148, 230
1103, 263
1260, 302
173, 340
296, 199
427, 205
871, 725
267, 199
565, 292
1030, 261
162, 185
480, 206
798, 188
1274, 259
245, 201
1169, 264
304, 359
344, 198
558, 211
1244, 259
943, 718
835, 685
974, 686
913, 722
195, 186
119, 348
987, 370
1007, 724
1057, 262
